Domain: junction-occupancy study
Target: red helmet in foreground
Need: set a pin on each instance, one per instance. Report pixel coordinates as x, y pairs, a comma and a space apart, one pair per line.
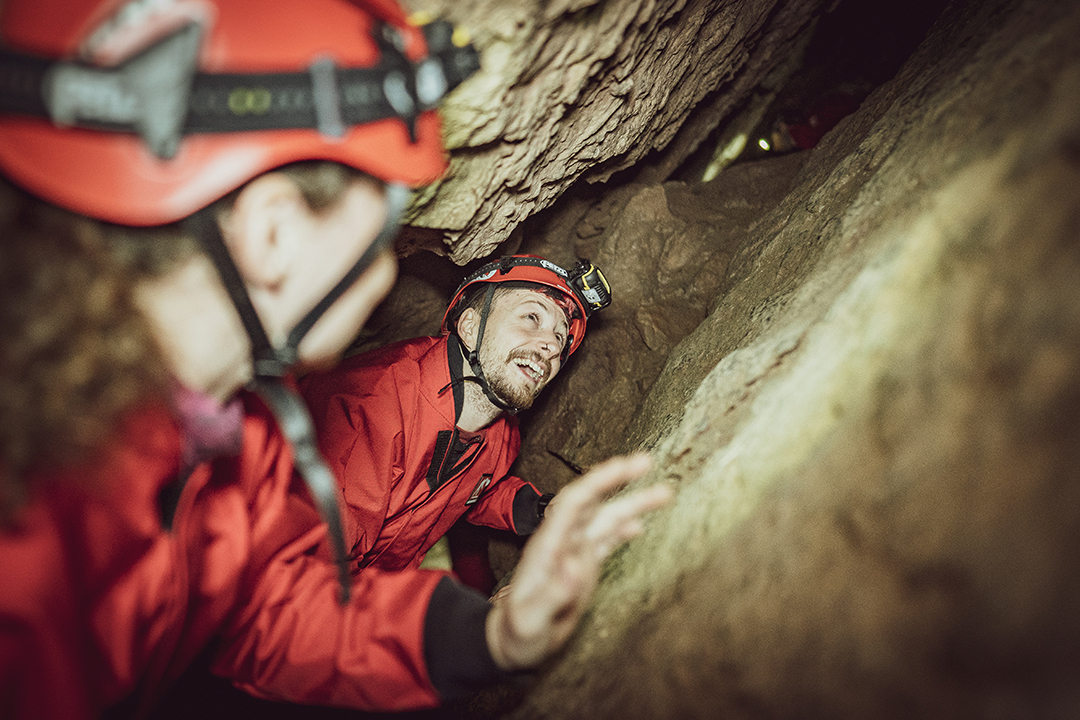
143, 112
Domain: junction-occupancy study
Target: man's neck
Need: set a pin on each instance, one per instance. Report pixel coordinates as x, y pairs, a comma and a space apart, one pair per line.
477, 412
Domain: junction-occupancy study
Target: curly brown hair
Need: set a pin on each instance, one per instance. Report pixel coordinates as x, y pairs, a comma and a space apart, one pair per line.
76, 355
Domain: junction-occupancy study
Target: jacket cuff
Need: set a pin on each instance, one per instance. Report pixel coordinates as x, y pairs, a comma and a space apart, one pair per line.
527, 513
455, 641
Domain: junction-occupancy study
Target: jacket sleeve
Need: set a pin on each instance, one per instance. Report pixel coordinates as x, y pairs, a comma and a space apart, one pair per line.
455, 641
405, 640
510, 504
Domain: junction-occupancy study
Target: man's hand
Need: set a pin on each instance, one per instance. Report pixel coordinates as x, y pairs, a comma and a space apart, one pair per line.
534, 615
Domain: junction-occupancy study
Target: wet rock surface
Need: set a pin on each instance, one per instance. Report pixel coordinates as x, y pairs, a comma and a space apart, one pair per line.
875, 433
579, 91
859, 367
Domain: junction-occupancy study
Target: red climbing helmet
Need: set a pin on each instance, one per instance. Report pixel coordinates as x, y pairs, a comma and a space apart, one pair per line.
585, 286
141, 112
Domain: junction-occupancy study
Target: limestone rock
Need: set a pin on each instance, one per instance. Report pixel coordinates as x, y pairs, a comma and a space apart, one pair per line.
875, 434
578, 91
858, 366
665, 250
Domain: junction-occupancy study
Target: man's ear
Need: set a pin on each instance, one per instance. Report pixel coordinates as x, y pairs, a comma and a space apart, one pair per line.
468, 325
259, 230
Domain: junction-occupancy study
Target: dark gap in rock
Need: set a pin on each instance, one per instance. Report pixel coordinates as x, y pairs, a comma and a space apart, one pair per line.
856, 48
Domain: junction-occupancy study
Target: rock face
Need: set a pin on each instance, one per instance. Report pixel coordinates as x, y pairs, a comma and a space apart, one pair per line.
579, 90
875, 432
666, 250
859, 367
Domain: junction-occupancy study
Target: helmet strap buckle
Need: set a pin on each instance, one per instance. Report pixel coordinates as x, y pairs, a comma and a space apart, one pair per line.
325, 98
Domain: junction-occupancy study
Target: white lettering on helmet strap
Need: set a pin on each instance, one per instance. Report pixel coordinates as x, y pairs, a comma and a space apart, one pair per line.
554, 268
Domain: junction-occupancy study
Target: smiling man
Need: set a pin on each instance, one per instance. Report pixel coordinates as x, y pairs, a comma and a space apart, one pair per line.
423, 432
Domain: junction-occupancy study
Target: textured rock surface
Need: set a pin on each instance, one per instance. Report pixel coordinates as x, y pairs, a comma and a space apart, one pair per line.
580, 90
875, 434
666, 250
859, 367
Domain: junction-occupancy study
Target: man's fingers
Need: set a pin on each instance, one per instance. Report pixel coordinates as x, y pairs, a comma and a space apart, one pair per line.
605, 478
619, 520
560, 564
584, 508
642, 501
616, 472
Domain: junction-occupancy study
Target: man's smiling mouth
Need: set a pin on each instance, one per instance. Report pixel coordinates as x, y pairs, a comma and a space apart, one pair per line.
534, 370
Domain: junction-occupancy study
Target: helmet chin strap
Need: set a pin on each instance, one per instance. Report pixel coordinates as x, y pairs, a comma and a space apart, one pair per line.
270, 364
473, 358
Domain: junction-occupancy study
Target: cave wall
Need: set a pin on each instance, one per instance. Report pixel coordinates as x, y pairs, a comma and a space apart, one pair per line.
575, 91
873, 431
856, 365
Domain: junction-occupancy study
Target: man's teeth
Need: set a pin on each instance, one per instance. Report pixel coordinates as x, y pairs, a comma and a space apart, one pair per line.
535, 371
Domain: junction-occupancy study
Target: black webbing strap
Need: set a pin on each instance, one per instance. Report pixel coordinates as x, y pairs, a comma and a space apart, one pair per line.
22, 78
397, 197
295, 423
203, 226
489, 294
454, 356
456, 352
159, 95
473, 357
271, 363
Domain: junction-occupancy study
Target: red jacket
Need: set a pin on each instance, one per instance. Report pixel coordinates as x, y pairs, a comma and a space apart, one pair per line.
99, 603
386, 422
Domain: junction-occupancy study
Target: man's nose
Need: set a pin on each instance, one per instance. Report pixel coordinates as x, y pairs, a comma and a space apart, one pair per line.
549, 344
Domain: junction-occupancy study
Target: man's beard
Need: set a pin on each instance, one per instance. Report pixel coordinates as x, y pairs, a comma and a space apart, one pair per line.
513, 394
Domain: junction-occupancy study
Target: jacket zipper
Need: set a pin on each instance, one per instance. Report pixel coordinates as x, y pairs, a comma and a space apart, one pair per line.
464, 464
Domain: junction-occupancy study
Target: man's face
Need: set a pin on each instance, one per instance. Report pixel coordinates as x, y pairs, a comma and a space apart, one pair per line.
522, 345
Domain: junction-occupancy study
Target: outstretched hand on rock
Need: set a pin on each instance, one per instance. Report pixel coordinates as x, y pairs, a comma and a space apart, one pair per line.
533, 616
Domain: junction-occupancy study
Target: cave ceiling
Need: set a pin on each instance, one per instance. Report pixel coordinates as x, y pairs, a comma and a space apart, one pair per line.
573, 93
